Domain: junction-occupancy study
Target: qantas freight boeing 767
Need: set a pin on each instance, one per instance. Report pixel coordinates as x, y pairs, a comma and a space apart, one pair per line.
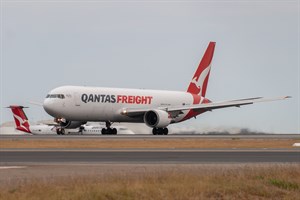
72, 106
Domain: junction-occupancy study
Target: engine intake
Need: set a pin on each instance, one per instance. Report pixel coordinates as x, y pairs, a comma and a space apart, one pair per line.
157, 118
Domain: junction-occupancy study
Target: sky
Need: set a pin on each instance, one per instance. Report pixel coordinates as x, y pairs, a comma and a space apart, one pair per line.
156, 45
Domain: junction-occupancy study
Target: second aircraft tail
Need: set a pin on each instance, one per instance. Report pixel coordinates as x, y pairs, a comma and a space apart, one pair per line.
20, 118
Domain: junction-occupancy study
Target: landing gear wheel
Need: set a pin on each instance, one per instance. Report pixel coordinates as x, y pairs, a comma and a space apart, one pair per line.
60, 131
165, 131
160, 131
108, 130
81, 129
155, 131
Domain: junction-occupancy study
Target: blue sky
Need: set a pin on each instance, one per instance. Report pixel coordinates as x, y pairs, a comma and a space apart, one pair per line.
156, 45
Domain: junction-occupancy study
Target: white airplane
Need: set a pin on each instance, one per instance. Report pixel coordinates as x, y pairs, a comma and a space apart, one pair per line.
72, 106
22, 124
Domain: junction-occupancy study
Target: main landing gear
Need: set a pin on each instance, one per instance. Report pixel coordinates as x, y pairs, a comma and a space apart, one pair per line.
108, 130
160, 131
81, 129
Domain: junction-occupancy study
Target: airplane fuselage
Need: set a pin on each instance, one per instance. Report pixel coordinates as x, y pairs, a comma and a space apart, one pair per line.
42, 129
78, 103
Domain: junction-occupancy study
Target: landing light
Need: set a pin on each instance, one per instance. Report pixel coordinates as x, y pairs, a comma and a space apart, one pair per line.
58, 120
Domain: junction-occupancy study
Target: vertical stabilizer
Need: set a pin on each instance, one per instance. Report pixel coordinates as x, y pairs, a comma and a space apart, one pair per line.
21, 119
199, 81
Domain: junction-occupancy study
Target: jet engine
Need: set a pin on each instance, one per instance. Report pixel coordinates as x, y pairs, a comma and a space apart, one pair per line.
70, 124
157, 118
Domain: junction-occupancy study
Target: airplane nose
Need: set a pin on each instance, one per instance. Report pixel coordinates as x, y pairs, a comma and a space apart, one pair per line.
49, 107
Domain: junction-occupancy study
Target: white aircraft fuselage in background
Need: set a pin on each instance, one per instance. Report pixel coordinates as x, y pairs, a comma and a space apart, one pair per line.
73, 106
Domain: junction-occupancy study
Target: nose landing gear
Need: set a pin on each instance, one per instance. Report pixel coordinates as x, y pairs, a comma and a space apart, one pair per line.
60, 131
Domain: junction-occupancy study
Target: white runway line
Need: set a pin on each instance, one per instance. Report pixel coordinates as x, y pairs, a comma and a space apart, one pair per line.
12, 167
296, 145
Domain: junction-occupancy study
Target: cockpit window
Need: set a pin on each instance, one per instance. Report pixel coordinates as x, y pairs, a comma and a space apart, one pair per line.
60, 96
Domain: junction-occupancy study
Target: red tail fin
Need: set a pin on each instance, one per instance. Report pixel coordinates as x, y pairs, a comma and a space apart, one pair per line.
199, 82
21, 119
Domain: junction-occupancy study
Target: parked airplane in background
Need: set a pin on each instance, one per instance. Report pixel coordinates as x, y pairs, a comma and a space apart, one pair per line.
97, 129
72, 106
22, 124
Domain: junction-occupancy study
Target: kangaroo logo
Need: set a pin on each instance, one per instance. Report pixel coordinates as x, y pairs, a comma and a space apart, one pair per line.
198, 82
21, 122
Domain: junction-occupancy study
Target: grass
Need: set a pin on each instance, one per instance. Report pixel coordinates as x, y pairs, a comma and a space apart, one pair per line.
149, 143
284, 184
215, 182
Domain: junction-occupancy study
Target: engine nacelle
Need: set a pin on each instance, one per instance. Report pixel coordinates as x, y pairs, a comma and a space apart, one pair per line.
157, 118
71, 124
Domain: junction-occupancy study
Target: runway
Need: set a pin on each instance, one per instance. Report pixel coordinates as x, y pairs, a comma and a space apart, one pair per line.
149, 149
25, 157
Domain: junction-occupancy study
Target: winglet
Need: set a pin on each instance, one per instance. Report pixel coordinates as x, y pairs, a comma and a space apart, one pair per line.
199, 81
274, 99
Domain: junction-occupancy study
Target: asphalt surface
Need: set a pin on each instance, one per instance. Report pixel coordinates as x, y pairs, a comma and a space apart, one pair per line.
9, 157
154, 156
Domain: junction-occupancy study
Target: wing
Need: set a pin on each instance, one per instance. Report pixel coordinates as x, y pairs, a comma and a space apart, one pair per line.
225, 104
176, 110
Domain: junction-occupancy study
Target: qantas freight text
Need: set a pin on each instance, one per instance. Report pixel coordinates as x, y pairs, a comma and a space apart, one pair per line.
104, 98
